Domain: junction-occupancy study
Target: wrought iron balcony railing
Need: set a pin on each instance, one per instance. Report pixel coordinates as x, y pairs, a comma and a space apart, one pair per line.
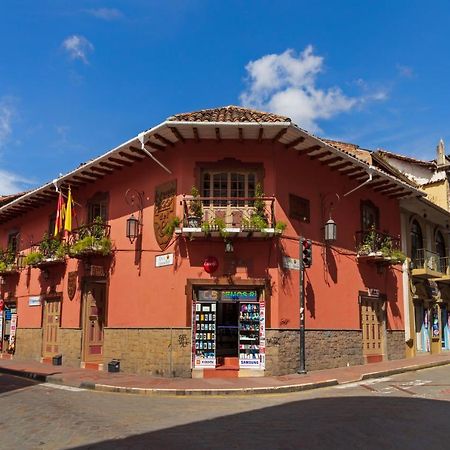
374, 243
90, 240
427, 259
245, 213
8, 262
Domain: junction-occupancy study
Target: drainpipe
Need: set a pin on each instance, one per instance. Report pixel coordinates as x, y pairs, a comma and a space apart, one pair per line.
141, 138
370, 174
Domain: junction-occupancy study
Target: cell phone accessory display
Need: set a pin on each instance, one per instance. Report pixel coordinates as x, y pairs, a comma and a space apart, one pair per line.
205, 335
249, 335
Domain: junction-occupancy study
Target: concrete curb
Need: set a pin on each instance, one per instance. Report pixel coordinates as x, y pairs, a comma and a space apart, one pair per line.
56, 378
207, 392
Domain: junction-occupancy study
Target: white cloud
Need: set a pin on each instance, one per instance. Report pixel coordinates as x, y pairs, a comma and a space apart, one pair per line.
105, 13
78, 47
11, 183
7, 112
286, 84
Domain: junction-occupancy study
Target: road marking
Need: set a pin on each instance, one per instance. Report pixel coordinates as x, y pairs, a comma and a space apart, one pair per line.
366, 382
63, 388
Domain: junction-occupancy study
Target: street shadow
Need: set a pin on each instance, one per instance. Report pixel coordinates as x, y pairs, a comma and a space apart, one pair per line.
325, 423
10, 383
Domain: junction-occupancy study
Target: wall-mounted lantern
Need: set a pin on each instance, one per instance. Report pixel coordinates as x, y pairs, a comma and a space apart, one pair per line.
132, 228
134, 225
330, 231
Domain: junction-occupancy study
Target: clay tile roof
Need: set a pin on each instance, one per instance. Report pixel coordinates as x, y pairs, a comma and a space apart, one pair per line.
228, 114
5, 199
351, 149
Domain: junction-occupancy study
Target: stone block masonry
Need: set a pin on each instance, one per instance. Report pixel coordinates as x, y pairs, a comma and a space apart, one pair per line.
28, 343
395, 344
152, 351
325, 349
70, 346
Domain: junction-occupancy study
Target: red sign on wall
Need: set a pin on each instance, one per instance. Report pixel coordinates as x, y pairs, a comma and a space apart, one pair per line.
210, 264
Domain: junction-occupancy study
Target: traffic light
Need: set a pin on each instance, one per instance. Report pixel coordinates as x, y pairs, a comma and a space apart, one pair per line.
307, 252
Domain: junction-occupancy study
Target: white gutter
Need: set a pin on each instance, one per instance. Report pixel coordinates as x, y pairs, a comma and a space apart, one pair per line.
370, 173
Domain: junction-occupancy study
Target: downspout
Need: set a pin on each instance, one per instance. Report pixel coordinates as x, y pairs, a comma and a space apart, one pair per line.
370, 173
141, 138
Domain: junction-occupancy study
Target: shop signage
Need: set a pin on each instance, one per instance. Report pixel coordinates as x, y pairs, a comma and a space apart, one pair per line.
164, 211
34, 300
164, 260
373, 292
208, 295
291, 263
71, 284
239, 295
210, 264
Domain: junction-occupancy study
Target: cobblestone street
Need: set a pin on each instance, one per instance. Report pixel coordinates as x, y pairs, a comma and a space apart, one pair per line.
404, 411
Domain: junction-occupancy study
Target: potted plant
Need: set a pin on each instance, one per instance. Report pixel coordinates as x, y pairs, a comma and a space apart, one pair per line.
7, 261
92, 241
195, 211
50, 251
172, 225
258, 219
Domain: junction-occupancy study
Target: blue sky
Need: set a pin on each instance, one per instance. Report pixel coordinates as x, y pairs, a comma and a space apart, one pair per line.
78, 78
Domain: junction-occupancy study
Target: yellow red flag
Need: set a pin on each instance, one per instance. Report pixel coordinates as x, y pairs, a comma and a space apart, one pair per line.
60, 210
68, 213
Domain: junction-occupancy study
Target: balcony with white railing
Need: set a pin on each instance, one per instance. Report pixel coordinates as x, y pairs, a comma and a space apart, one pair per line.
228, 217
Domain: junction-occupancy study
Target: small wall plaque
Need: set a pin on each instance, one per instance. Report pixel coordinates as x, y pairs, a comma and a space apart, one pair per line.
164, 260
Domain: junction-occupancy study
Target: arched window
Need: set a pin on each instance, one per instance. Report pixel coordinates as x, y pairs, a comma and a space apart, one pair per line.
440, 245
416, 239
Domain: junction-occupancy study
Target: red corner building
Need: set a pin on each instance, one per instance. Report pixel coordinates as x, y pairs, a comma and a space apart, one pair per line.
182, 256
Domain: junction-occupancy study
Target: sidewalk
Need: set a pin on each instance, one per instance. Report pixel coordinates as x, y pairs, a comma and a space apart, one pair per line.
141, 384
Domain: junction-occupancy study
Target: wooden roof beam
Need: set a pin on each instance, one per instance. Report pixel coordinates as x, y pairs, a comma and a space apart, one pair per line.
164, 140
91, 174
341, 166
120, 161
357, 174
330, 161
260, 135
138, 151
393, 190
131, 157
218, 138
306, 150
110, 166
103, 171
401, 194
196, 135
320, 155
84, 179
385, 187
294, 142
280, 134
177, 133
241, 135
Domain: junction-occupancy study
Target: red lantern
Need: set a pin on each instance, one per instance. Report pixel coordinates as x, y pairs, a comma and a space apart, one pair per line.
210, 264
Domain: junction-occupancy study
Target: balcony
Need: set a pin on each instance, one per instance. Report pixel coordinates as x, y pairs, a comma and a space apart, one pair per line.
429, 265
90, 240
378, 247
8, 263
48, 252
229, 217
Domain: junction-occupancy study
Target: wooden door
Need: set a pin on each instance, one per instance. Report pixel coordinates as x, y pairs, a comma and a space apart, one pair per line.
372, 324
94, 320
51, 324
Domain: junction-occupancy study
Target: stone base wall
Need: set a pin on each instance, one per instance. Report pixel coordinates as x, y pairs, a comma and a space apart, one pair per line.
151, 351
395, 341
28, 343
325, 349
70, 346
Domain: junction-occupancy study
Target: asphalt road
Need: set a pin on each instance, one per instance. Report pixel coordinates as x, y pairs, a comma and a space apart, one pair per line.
408, 411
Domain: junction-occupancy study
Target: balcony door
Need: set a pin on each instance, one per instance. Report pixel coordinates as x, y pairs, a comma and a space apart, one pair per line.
232, 191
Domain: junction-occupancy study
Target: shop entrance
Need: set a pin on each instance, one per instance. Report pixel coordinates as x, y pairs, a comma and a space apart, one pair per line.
8, 323
372, 324
227, 329
94, 321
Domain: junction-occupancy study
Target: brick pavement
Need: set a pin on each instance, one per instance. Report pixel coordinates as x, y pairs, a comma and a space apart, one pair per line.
140, 384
